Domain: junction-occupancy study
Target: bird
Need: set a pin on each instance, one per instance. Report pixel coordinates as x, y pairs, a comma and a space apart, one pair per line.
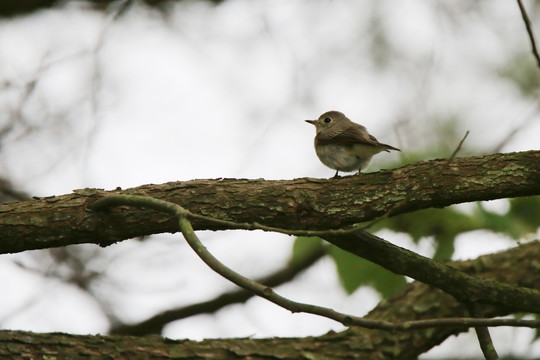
344, 145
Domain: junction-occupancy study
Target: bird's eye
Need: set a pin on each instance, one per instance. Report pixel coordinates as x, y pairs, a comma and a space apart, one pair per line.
327, 120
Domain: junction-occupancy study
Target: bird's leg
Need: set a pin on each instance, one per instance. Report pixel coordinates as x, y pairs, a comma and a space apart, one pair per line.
336, 175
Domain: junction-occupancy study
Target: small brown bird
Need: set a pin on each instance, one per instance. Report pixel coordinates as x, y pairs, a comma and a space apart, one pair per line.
344, 145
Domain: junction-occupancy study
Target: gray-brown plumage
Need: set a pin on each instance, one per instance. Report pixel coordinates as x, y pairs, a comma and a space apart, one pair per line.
344, 145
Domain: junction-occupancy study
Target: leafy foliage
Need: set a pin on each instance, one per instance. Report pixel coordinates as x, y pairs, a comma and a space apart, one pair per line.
304, 245
355, 272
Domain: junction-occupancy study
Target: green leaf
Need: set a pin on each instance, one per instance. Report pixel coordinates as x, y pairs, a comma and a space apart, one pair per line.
354, 272
441, 224
304, 245
526, 211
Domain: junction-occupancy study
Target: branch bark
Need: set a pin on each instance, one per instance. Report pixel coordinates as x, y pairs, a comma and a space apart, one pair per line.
296, 204
463, 287
415, 302
306, 203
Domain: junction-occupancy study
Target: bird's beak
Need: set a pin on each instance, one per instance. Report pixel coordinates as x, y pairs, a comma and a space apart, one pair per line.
312, 122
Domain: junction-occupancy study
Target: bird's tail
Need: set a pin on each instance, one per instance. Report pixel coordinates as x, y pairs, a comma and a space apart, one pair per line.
389, 147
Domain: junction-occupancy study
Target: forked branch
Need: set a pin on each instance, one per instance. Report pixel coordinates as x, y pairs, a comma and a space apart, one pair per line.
268, 293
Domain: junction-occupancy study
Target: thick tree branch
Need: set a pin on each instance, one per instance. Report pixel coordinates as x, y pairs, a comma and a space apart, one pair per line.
460, 285
420, 301
463, 287
415, 302
468, 289
305, 203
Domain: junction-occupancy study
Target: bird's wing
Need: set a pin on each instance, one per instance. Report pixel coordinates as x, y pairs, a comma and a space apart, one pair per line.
356, 134
350, 135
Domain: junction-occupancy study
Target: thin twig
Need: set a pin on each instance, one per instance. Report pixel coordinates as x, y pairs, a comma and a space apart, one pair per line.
268, 293
458, 147
482, 333
530, 31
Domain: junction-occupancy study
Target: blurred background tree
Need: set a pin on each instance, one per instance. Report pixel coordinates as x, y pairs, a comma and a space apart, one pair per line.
107, 94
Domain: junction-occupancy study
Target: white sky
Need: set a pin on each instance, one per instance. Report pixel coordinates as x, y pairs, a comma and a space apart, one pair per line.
208, 92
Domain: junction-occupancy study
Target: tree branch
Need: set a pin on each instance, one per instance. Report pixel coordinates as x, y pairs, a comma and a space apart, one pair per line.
458, 147
530, 31
415, 302
299, 204
420, 301
482, 333
462, 286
